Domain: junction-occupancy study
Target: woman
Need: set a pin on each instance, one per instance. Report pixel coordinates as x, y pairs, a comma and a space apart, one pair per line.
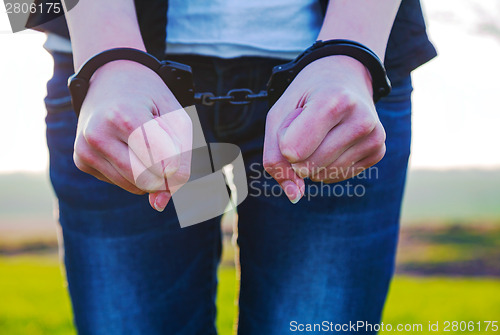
131, 269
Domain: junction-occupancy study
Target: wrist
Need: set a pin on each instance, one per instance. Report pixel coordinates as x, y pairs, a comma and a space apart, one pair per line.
368, 22
352, 68
283, 75
82, 54
96, 26
120, 69
175, 75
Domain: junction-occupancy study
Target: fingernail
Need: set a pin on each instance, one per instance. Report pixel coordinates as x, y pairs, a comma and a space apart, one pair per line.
292, 191
290, 154
158, 208
161, 201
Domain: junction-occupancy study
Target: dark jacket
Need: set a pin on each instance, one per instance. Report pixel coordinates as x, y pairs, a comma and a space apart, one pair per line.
408, 46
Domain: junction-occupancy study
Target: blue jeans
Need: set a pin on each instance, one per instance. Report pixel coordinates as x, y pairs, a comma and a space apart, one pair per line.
132, 270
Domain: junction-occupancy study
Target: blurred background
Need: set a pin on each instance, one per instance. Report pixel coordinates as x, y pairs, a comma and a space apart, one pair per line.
448, 265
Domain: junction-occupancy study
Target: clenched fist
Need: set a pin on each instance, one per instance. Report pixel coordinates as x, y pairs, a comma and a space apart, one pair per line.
324, 127
133, 133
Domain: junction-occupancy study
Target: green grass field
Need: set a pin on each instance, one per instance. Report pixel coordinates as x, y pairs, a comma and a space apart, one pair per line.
34, 301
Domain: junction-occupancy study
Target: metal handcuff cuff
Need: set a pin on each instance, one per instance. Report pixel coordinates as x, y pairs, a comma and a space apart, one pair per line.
179, 77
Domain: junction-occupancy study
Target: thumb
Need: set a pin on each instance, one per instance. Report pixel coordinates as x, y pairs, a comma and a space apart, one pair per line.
159, 200
278, 167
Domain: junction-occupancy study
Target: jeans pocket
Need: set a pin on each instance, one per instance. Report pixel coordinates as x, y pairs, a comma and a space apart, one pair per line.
401, 91
398, 102
395, 112
58, 99
61, 122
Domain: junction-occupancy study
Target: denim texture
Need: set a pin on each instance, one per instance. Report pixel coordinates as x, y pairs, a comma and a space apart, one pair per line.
132, 270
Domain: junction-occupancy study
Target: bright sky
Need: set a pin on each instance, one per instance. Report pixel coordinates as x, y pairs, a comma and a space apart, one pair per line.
456, 112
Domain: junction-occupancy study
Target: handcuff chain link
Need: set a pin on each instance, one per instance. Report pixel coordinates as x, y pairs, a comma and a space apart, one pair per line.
236, 96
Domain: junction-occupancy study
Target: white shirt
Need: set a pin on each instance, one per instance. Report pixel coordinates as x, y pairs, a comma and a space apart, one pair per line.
233, 28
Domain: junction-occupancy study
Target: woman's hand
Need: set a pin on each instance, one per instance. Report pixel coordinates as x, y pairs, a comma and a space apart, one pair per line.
324, 127
133, 133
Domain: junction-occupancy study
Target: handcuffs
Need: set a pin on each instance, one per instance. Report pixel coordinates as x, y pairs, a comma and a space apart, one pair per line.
179, 77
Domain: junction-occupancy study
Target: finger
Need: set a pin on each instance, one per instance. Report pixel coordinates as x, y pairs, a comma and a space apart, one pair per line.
152, 145
351, 163
173, 165
181, 176
100, 168
277, 166
123, 160
93, 172
298, 142
336, 143
179, 126
159, 200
